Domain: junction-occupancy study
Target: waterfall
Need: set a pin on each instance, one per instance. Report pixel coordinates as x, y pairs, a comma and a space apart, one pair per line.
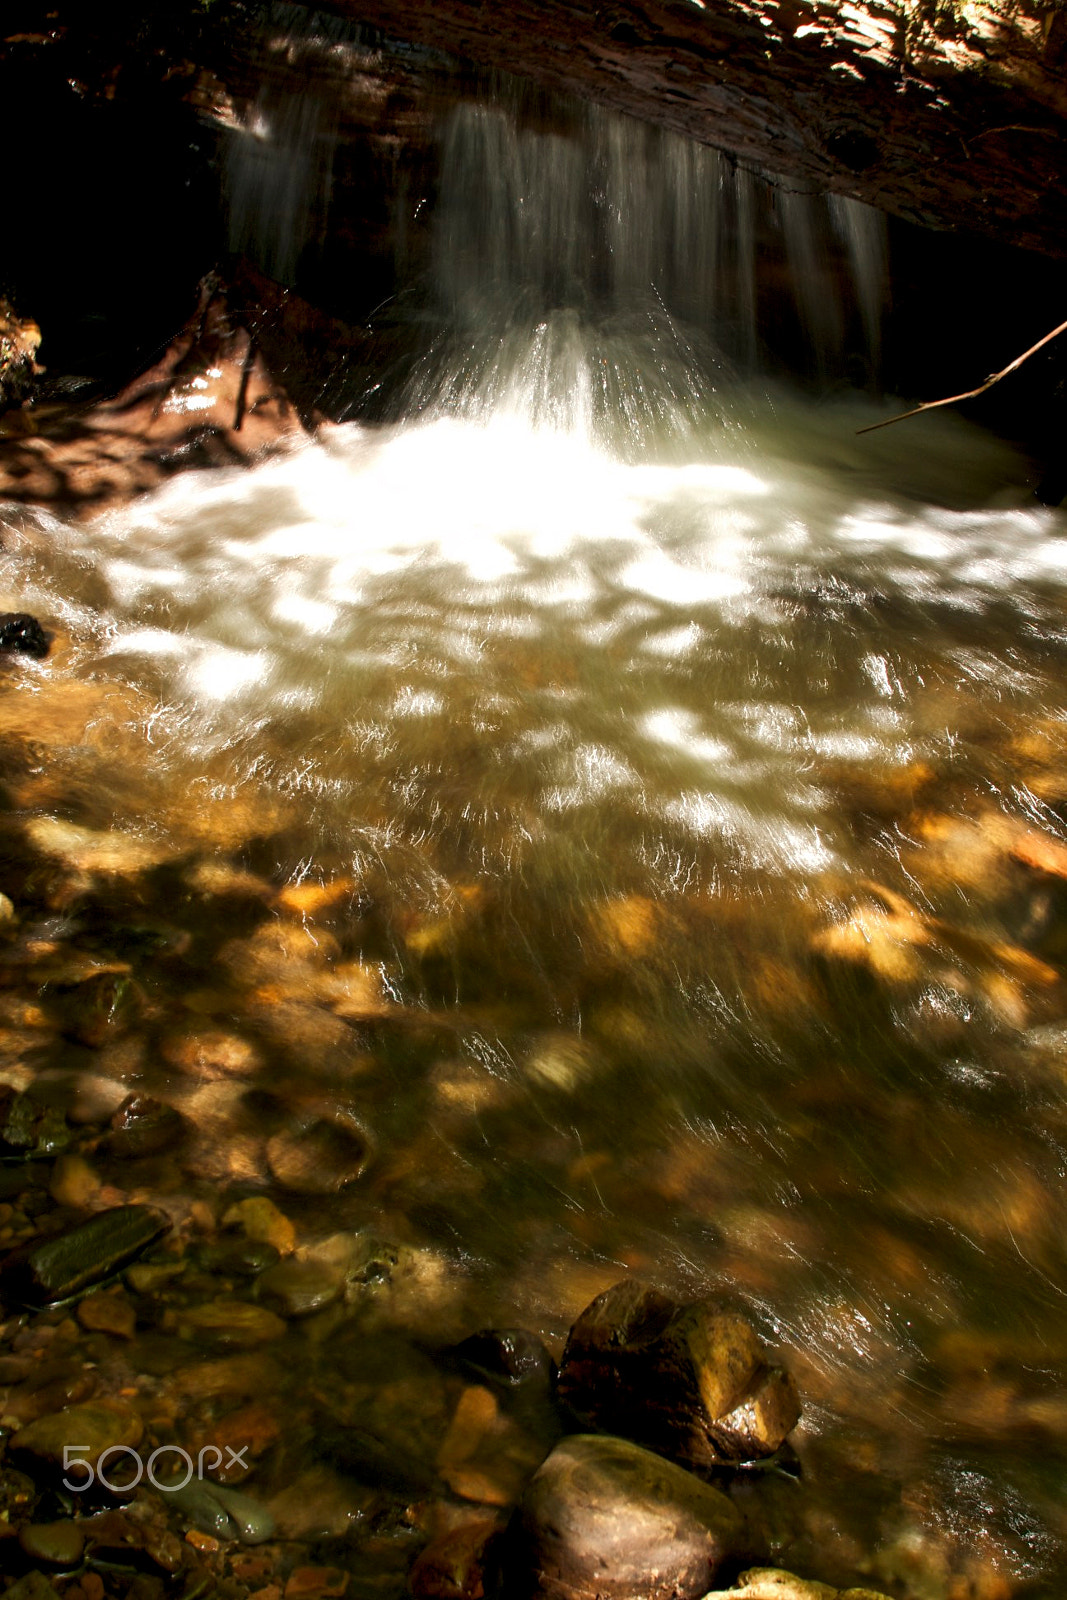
278, 168
863, 230
592, 271
583, 268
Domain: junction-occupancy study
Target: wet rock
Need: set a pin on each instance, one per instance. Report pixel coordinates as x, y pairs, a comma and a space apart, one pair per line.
298, 1288
107, 1313
305, 1031
137, 1536
143, 1126
562, 1062
85, 1431
54, 1544
230, 1322
17, 1495
96, 1007
691, 1381
109, 853
901, 945
321, 1504
51, 1385
454, 1566
73, 1182
236, 1441
603, 1519
240, 1258
208, 401
45, 1271
325, 1151
260, 1219
212, 1054
475, 1413
771, 1583
22, 634
34, 1586
147, 1277
28, 1128
310, 899
250, 1569
202, 1542
316, 1583
508, 1355
223, 1513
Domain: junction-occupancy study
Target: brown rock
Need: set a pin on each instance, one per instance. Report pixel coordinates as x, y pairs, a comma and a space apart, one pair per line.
771, 1583
202, 1541
603, 1519
322, 1153
481, 1488
53, 1544
89, 1430
137, 1536
475, 1413
251, 1569
692, 1382
143, 1126
212, 1054
299, 1288
316, 1583
240, 1438
73, 1182
230, 1322
107, 1313
260, 1219
453, 1566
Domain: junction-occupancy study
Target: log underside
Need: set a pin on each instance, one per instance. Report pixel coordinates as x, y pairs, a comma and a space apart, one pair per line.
950, 113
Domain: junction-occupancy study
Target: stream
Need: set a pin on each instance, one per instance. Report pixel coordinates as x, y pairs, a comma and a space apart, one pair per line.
599, 816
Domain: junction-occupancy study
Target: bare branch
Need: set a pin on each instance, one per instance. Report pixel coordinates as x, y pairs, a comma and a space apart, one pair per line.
971, 394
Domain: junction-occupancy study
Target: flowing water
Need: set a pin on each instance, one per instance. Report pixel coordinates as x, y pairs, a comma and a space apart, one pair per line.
635, 803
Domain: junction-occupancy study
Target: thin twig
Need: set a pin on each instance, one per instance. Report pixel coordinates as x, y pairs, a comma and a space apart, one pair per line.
971, 394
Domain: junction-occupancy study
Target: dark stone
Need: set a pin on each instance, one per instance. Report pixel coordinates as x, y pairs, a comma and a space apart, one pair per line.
603, 1519
143, 1127
28, 1128
45, 1271
34, 1586
53, 1544
296, 1288
456, 1565
92, 1011
18, 1495
223, 1513
509, 1355
22, 633
691, 1381
382, 1463
239, 1258
137, 1537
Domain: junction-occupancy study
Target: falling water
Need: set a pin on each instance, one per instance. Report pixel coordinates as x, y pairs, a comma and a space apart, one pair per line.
863, 230
278, 172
